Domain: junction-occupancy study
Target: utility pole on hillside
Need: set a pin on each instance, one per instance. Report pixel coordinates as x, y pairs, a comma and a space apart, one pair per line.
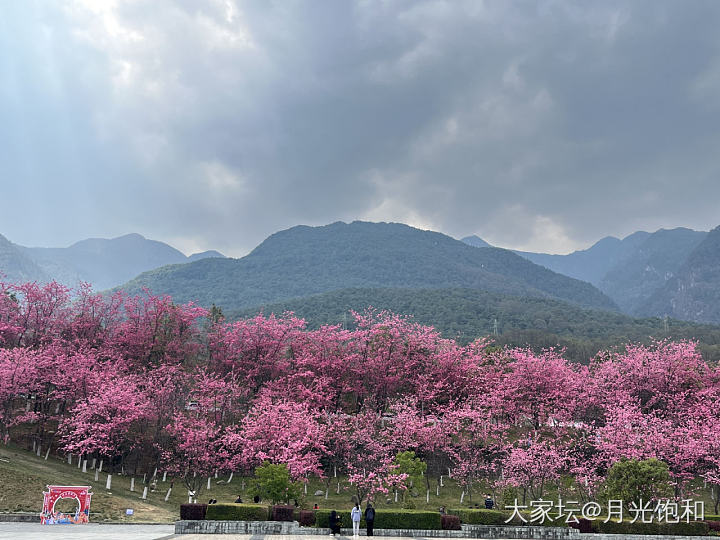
666, 324
495, 330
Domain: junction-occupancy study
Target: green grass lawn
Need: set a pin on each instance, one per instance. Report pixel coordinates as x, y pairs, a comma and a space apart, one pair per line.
24, 476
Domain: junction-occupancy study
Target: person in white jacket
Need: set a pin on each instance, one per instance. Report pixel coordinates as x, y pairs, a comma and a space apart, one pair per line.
356, 514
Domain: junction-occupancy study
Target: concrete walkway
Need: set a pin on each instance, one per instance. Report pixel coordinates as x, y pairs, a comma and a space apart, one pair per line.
279, 537
36, 531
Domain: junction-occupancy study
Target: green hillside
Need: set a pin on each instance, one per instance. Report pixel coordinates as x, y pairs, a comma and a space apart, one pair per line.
305, 260
466, 314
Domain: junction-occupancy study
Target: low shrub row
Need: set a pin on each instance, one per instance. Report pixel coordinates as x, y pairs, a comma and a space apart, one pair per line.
238, 512
482, 516
418, 519
283, 513
387, 519
479, 516
193, 511
306, 518
450, 523
694, 528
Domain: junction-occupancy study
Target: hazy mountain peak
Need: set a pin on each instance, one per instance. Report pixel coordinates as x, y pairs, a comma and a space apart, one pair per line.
211, 253
476, 241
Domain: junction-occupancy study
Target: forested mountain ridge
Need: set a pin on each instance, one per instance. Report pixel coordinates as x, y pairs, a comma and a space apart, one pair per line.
694, 292
467, 314
17, 267
634, 279
305, 260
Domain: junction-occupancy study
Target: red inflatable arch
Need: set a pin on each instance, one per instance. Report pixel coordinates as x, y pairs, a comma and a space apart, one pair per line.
55, 493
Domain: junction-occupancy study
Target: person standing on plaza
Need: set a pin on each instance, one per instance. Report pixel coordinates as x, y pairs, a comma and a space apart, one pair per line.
370, 518
355, 515
334, 522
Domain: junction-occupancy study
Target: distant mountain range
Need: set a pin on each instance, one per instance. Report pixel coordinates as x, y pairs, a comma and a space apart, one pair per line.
672, 272
105, 263
668, 272
303, 261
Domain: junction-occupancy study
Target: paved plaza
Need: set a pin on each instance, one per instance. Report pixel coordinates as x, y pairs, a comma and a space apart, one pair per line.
36, 531
96, 531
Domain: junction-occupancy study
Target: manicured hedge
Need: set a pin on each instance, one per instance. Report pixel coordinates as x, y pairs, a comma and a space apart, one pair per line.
193, 511
450, 523
694, 528
407, 519
306, 518
713, 525
322, 518
283, 513
387, 519
237, 512
583, 525
479, 516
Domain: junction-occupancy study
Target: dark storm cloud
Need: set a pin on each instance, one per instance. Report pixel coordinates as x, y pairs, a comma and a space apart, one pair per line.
211, 125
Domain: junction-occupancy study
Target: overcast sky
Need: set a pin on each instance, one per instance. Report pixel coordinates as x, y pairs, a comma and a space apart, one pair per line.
212, 124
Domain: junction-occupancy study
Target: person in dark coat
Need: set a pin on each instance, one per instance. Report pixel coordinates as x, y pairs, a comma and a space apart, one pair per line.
370, 518
489, 503
334, 522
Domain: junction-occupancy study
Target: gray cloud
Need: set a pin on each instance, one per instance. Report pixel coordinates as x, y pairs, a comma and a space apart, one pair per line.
211, 125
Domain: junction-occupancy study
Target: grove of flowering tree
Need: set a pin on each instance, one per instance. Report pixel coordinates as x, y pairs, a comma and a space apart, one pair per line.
147, 385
